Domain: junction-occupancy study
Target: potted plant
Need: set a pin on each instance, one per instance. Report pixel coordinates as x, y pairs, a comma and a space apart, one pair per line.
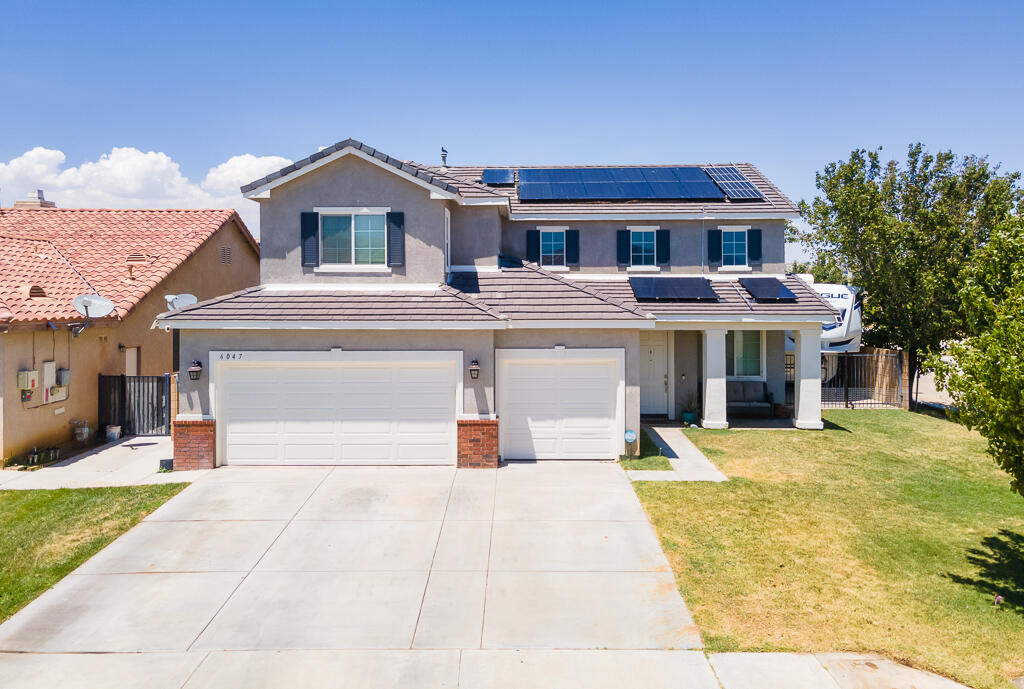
690, 409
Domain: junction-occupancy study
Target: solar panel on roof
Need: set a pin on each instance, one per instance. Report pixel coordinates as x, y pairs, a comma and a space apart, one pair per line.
733, 183
672, 289
615, 183
767, 289
497, 177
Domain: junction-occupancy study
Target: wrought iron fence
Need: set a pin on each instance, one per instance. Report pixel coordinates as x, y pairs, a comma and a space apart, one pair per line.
856, 380
140, 405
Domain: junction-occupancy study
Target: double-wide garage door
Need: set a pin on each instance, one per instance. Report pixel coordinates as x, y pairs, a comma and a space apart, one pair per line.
560, 403
389, 410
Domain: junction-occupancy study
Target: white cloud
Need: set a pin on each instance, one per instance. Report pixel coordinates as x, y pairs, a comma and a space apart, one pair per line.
129, 178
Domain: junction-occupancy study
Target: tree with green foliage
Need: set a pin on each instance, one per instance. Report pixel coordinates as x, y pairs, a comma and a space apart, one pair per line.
984, 372
904, 232
822, 273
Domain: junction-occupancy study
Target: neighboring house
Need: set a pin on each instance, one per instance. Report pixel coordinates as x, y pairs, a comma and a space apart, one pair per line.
421, 314
49, 256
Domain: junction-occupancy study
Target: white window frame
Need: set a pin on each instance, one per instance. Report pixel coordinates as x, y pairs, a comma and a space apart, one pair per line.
764, 356
746, 259
552, 229
644, 267
352, 267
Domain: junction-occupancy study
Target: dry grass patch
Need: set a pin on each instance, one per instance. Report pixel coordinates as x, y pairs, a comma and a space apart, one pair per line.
45, 534
888, 532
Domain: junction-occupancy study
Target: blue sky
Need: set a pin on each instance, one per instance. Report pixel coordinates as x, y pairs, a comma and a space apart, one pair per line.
788, 87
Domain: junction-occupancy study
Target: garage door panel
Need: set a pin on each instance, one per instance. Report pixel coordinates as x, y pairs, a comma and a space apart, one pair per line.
560, 405
366, 412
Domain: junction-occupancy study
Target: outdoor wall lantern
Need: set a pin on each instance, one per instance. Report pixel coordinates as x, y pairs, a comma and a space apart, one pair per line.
195, 370
121, 347
474, 369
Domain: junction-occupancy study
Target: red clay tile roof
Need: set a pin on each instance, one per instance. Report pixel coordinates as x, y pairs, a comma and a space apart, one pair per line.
73, 251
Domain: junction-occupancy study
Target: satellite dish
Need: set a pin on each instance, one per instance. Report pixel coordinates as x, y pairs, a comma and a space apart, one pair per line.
92, 305
180, 301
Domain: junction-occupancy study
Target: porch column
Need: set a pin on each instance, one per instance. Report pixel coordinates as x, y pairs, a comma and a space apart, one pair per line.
807, 379
714, 380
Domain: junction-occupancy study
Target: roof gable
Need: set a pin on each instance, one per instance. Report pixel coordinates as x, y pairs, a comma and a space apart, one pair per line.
436, 180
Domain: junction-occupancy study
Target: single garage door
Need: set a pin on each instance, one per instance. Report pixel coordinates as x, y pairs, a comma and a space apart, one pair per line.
560, 403
367, 411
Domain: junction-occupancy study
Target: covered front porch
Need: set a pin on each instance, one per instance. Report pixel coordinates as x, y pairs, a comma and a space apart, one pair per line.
726, 372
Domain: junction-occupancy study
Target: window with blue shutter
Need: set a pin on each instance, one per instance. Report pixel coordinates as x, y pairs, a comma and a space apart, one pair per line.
396, 238
572, 247
714, 246
753, 246
622, 247
662, 247
533, 246
310, 238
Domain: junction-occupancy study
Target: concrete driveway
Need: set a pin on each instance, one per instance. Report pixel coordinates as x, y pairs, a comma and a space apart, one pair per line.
538, 575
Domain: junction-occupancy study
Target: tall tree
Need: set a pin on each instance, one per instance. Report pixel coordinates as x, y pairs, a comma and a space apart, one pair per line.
904, 232
984, 372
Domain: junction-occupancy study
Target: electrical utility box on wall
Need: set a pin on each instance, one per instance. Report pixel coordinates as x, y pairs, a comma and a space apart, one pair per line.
52, 391
63, 377
28, 380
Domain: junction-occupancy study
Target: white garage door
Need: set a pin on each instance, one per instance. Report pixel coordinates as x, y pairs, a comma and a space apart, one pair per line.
560, 403
350, 412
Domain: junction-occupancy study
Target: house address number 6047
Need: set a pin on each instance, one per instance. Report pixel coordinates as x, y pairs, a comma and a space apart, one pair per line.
230, 355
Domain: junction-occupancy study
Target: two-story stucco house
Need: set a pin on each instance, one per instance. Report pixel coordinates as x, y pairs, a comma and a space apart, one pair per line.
414, 314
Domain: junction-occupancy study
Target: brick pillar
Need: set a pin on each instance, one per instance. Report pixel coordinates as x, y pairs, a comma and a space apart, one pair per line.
194, 444
478, 443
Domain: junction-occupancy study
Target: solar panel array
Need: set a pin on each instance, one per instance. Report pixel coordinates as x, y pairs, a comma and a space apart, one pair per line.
615, 183
672, 289
733, 183
499, 176
767, 289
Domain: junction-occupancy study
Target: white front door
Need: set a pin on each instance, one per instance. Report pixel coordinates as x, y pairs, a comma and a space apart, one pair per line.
654, 372
560, 403
131, 361
385, 411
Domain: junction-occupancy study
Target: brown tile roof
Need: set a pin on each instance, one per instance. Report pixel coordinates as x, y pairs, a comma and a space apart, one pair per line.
434, 176
774, 201
261, 304
733, 300
73, 251
523, 291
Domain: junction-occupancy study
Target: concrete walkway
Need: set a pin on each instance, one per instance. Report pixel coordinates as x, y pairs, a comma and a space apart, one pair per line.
128, 462
688, 462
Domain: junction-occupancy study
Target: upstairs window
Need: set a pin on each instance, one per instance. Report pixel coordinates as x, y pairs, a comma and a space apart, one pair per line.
743, 354
356, 239
734, 247
642, 244
552, 248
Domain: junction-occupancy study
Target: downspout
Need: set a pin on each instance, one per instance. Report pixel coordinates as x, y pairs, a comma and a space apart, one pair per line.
703, 214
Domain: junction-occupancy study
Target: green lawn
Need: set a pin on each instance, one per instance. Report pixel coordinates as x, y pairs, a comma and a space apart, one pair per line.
650, 458
887, 532
44, 534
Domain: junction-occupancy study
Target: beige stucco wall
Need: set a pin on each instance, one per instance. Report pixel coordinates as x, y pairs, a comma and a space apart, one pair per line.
347, 182
95, 351
478, 395
598, 253
476, 235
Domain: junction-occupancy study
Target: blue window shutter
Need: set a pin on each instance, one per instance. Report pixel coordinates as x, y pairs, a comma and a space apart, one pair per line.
396, 239
310, 227
572, 247
661, 250
622, 246
714, 246
533, 246
753, 246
